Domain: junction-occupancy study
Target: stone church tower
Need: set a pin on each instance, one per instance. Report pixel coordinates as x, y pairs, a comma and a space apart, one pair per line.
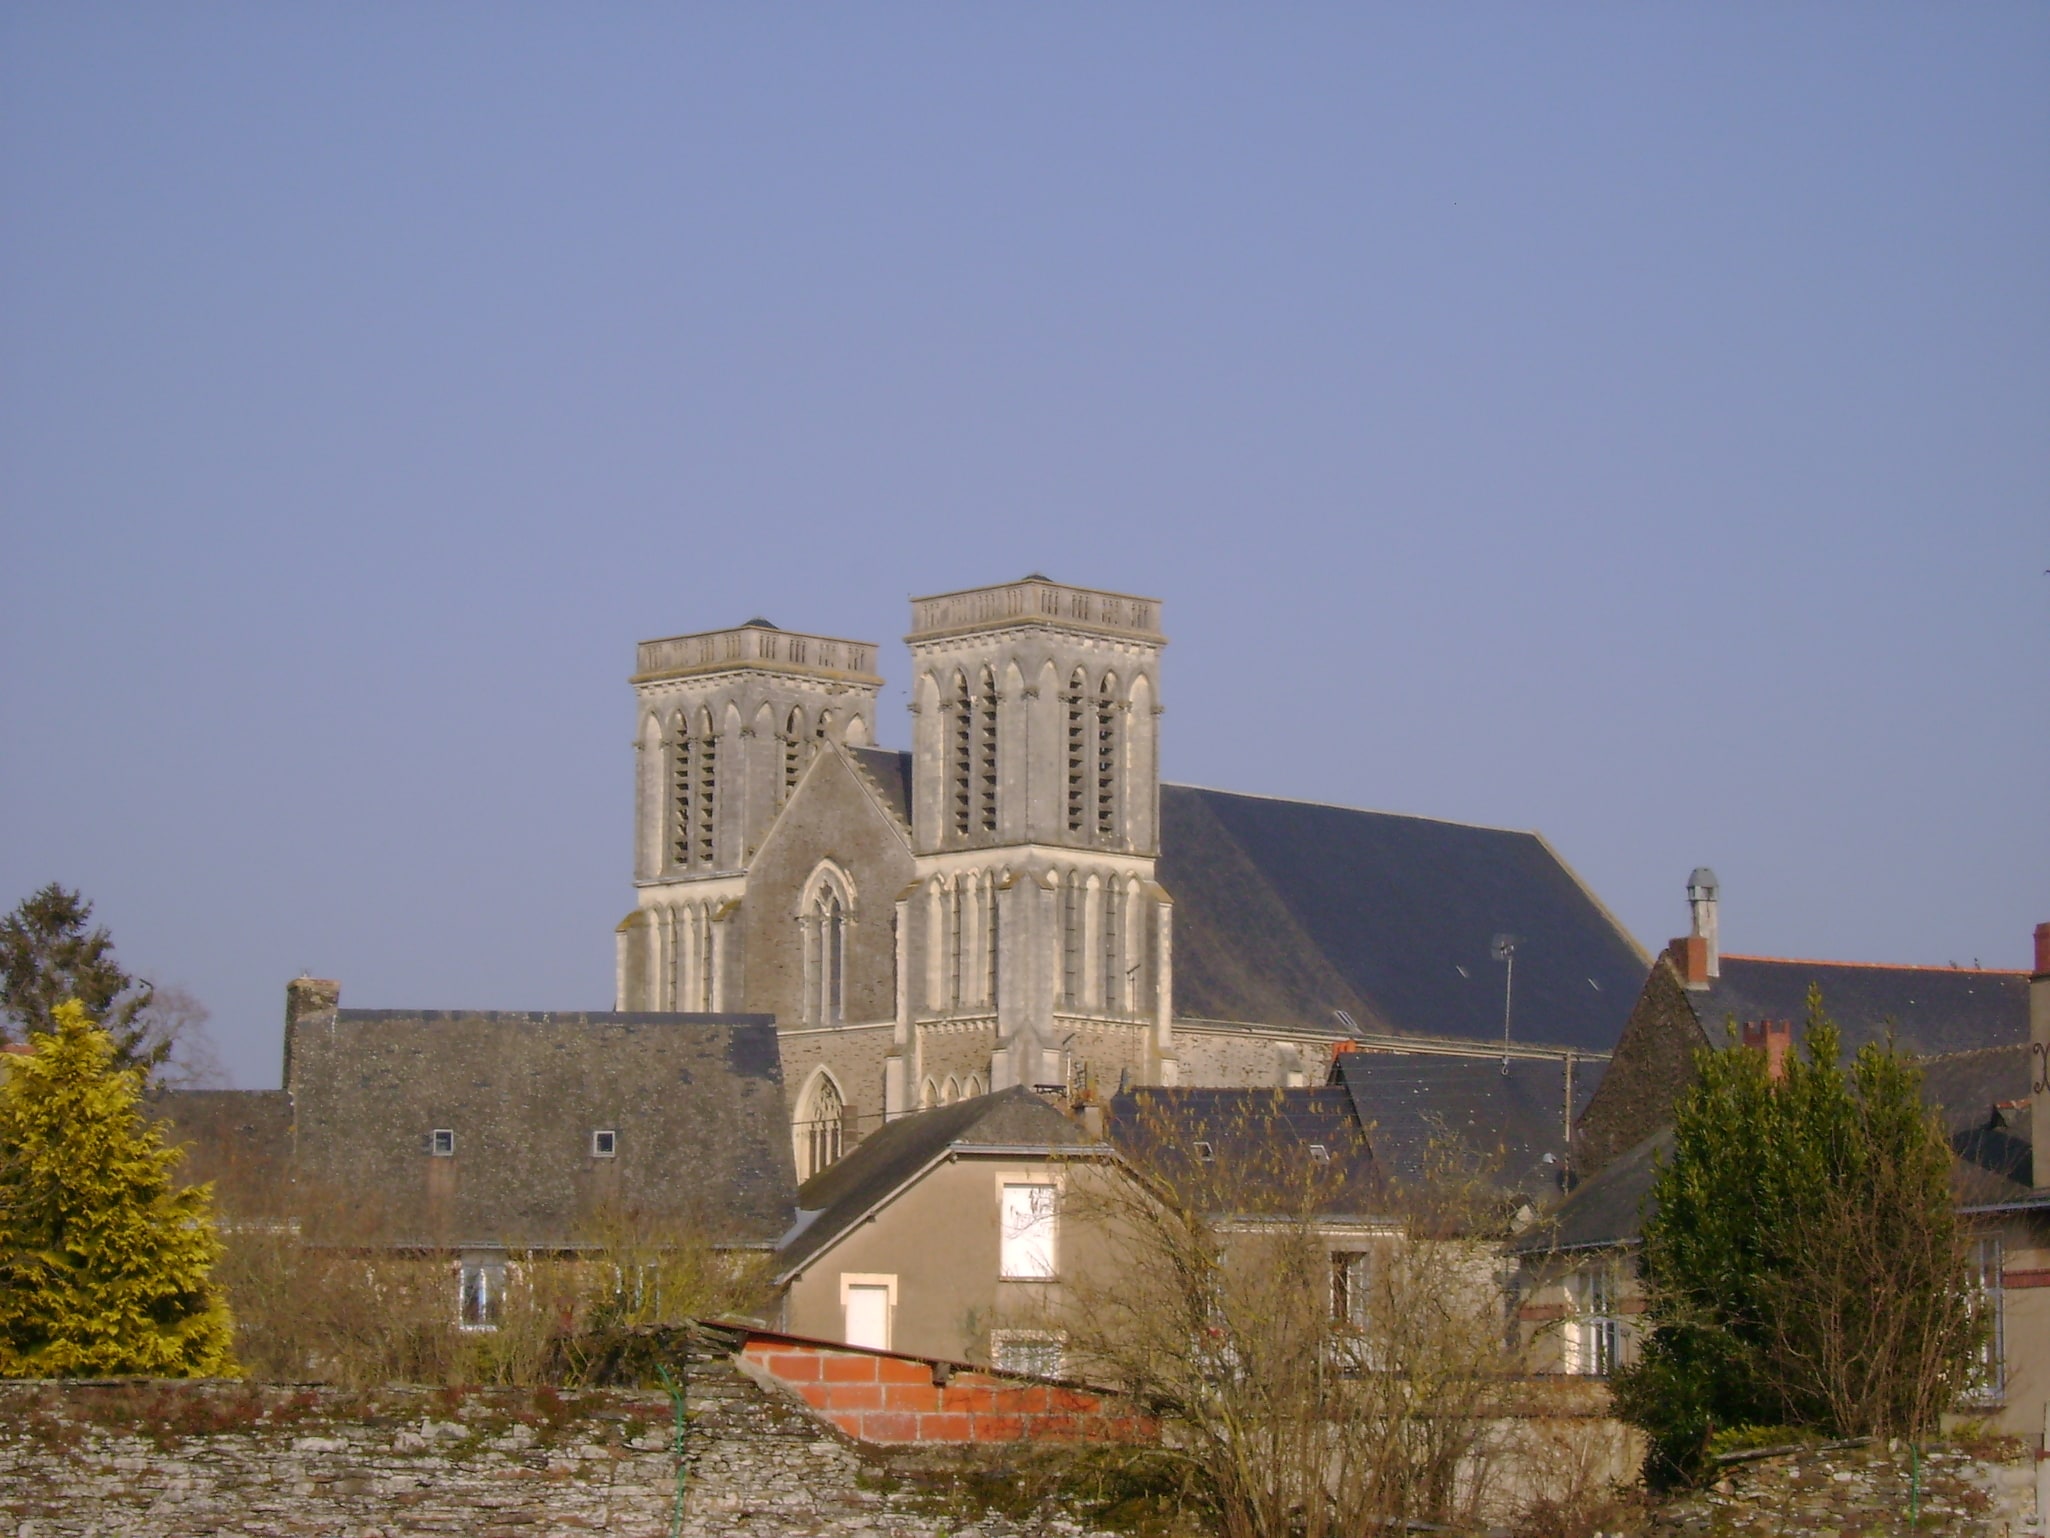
1035, 826
977, 913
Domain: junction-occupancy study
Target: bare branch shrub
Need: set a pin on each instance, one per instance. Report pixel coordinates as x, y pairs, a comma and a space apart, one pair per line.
327, 1301
1326, 1356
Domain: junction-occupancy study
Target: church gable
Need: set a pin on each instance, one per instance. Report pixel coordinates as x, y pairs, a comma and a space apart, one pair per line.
818, 920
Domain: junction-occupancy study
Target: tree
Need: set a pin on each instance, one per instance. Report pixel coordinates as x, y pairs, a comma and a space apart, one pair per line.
1322, 1372
1805, 1265
104, 1263
48, 955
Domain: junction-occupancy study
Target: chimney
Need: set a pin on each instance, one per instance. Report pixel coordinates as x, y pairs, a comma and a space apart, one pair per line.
306, 997
1775, 1038
2039, 1057
1689, 956
1701, 904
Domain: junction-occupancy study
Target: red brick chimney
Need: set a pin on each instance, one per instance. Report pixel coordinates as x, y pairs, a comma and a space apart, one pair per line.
1689, 956
1775, 1038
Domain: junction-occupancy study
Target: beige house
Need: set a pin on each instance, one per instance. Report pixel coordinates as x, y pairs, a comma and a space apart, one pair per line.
944, 1235
972, 1231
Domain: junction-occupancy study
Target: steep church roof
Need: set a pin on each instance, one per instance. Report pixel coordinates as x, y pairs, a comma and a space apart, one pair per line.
1286, 911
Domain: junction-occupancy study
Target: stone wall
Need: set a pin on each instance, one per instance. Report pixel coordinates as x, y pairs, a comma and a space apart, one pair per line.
1876, 1491
169, 1460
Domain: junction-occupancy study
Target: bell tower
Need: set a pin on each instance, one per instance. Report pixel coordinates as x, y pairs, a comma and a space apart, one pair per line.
727, 722
1035, 823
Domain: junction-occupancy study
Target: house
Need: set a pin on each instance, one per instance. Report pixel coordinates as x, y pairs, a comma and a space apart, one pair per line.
1983, 1039
472, 1137
969, 1232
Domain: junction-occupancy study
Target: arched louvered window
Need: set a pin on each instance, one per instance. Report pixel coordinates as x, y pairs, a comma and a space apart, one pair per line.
986, 752
705, 850
794, 745
1075, 703
683, 765
961, 754
820, 1127
1107, 758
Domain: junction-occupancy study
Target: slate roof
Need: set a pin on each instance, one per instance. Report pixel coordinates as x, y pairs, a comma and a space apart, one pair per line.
1288, 910
1931, 1009
239, 1139
1609, 1208
1260, 1144
1513, 1113
894, 1155
890, 772
695, 1102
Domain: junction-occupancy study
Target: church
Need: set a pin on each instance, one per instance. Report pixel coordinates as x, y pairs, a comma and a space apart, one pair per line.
1018, 899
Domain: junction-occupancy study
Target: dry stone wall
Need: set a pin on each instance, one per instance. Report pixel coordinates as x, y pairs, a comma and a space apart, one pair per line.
1865, 1492
177, 1460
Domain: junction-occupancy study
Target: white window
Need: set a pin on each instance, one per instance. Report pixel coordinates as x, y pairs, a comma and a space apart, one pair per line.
1029, 1353
604, 1143
1349, 1279
1989, 1371
441, 1142
482, 1298
868, 1302
1595, 1333
1029, 1221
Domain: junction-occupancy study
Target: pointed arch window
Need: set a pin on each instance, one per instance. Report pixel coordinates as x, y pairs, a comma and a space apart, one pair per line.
826, 915
961, 754
706, 759
1075, 703
986, 752
1113, 947
820, 1128
794, 745
1107, 758
683, 791
1074, 938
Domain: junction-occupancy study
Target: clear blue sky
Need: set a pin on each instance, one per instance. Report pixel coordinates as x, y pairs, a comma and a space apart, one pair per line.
1631, 422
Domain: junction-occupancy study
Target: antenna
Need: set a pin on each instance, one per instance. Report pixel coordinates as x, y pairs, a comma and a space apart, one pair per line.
1504, 950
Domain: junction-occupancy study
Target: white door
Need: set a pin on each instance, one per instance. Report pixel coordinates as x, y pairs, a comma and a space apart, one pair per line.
868, 1316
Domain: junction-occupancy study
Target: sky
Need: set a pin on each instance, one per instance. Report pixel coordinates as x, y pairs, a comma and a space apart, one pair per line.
1628, 422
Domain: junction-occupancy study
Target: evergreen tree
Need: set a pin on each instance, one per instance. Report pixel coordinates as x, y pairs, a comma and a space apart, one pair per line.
104, 1263
1805, 1263
48, 955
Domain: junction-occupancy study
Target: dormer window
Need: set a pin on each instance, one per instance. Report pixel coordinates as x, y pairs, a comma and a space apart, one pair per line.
441, 1142
1205, 1153
604, 1144
1319, 1154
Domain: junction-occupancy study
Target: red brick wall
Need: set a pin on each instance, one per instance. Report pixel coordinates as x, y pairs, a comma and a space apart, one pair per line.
875, 1397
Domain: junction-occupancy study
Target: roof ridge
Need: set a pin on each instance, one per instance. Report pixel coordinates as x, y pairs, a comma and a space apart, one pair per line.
1887, 966
1342, 806
1943, 1057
